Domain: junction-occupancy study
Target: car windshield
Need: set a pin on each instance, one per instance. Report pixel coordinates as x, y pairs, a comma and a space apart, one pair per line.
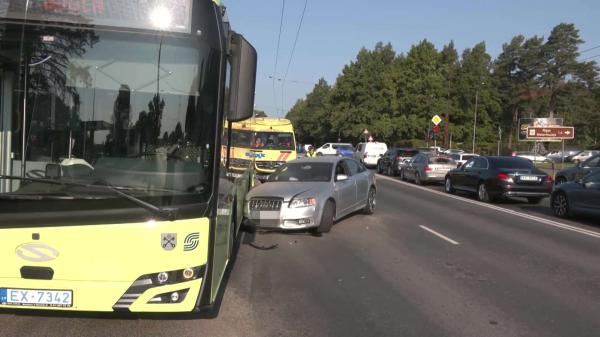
441, 160
407, 153
305, 171
111, 108
258, 139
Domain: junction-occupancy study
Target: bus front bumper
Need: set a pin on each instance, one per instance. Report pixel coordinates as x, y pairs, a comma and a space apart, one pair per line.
106, 296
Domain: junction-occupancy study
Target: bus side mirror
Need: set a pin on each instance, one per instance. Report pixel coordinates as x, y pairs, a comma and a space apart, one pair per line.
243, 59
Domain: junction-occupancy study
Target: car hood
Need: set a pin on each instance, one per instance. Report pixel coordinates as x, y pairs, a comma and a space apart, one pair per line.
569, 170
285, 190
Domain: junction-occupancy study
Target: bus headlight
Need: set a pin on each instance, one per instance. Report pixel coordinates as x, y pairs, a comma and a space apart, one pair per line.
303, 202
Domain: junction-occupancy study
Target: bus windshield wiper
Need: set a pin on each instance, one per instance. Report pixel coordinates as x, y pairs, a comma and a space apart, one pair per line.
165, 213
14, 196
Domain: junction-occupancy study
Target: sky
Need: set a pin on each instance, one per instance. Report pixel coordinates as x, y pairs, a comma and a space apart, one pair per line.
333, 31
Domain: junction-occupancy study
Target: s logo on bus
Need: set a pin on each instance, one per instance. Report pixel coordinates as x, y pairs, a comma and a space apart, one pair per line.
168, 241
37, 252
191, 242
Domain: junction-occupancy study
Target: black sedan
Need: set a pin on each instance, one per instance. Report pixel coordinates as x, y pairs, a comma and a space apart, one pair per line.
390, 162
581, 196
494, 177
579, 171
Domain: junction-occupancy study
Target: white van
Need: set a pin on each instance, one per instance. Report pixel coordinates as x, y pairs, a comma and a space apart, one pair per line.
330, 149
369, 153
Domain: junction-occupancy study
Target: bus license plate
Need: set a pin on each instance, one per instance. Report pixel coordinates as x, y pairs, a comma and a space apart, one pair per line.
36, 298
528, 178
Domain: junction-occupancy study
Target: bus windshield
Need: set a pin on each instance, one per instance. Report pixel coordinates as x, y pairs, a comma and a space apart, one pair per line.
259, 139
112, 108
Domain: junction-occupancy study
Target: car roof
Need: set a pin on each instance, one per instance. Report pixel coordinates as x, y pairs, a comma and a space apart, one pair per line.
319, 159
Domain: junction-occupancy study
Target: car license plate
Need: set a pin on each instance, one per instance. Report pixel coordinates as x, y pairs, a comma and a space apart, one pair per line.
36, 298
528, 178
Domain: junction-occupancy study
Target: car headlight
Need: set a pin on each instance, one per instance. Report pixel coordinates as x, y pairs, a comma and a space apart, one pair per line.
303, 202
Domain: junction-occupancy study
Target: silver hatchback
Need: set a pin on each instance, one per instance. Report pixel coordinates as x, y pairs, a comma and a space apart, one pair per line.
428, 168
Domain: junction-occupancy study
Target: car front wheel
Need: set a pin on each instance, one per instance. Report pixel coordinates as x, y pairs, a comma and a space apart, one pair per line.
371, 202
418, 179
560, 205
327, 217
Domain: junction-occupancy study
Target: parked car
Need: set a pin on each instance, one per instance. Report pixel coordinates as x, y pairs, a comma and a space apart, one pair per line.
461, 158
492, 177
345, 151
392, 157
577, 197
557, 156
330, 149
532, 157
583, 156
426, 150
428, 168
368, 153
402, 166
311, 193
579, 171
454, 151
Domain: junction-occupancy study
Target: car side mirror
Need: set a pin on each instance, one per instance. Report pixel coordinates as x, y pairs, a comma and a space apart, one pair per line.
53, 171
341, 177
243, 59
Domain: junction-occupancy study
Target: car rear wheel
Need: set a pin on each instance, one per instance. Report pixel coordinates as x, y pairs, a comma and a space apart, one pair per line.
371, 202
534, 200
379, 169
402, 177
482, 193
448, 186
560, 205
319, 153
418, 179
327, 217
390, 172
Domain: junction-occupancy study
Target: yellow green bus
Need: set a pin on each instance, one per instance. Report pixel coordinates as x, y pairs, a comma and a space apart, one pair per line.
113, 194
263, 143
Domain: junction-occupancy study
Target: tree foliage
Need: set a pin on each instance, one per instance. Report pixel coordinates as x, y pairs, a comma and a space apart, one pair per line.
395, 96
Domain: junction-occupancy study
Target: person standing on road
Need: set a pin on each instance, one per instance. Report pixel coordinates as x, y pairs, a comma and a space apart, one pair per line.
311, 152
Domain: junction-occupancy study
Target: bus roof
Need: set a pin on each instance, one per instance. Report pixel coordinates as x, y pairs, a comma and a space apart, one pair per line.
264, 124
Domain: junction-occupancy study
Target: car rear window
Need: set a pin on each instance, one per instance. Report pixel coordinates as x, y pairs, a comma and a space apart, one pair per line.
512, 163
407, 153
441, 160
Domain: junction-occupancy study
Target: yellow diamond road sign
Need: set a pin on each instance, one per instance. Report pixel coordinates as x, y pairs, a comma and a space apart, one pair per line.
436, 119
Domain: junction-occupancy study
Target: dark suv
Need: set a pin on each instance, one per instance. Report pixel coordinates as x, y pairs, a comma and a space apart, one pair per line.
579, 171
394, 156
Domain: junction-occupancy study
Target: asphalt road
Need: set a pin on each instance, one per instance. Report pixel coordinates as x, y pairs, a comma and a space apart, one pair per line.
507, 270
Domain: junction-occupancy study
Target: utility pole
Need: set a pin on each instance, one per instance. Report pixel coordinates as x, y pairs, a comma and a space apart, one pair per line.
475, 120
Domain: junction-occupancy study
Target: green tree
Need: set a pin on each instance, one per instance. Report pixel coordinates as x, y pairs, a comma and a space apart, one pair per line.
450, 65
559, 56
259, 113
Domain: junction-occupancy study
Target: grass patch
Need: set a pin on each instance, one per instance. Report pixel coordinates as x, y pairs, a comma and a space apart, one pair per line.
557, 166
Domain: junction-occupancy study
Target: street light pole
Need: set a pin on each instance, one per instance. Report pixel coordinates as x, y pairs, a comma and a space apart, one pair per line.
475, 121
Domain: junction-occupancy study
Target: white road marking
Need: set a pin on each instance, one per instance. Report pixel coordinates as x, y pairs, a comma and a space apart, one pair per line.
440, 235
497, 208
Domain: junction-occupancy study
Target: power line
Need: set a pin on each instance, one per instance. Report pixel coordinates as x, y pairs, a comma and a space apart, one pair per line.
589, 49
279, 79
292, 55
590, 57
277, 54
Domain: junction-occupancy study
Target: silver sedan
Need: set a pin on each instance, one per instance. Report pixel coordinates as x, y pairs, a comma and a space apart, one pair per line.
311, 193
